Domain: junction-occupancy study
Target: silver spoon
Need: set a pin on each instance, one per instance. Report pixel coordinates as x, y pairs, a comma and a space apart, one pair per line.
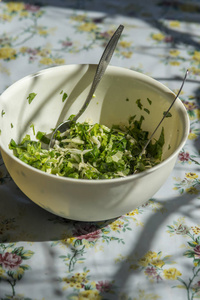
101, 68
165, 114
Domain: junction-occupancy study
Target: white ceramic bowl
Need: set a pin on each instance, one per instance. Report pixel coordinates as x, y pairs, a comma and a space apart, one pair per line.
115, 102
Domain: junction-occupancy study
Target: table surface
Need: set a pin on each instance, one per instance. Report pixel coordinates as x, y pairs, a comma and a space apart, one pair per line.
152, 252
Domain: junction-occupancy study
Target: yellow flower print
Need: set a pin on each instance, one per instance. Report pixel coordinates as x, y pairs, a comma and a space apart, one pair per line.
76, 280
23, 14
176, 91
116, 225
174, 24
146, 259
195, 71
23, 49
175, 188
18, 273
151, 255
196, 229
6, 17
39, 14
197, 113
89, 295
133, 213
79, 18
157, 263
125, 44
192, 136
42, 31
121, 258
174, 63
46, 61
127, 54
158, 37
196, 56
93, 284
171, 273
174, 52
59, 61
15, 6
195, 264
87, 27
44, 52
192, 191
70, 240
191, 175
7, 53
143, 295
2, 271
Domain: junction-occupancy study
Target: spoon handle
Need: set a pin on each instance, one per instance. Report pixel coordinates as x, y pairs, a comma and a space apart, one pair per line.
165, 114
101, 68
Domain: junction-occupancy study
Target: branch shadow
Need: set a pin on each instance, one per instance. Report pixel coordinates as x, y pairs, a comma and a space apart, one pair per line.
152, 13
32, 223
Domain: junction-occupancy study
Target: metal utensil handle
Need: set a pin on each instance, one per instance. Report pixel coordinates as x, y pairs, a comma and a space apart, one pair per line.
101, 68
165, 114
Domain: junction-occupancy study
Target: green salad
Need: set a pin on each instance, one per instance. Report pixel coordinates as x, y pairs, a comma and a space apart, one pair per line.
92, 151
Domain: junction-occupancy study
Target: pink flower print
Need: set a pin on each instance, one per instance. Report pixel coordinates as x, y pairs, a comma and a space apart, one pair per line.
184, 156
190, 106
197, 251
67, 44
105, 34
168, 39
10, 261
151, 271
87, 232
181, 229
196, 286
32, 51
32, 8
103, 286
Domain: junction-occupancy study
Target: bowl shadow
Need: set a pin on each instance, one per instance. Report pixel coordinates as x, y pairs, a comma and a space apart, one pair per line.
23, 220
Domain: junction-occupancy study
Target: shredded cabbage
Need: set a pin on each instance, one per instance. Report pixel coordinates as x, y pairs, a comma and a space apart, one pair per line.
95, 151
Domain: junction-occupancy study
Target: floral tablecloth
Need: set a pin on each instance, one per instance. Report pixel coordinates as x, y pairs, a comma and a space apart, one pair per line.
152, 252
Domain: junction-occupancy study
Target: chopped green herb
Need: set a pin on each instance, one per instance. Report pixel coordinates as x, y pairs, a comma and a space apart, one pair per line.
61, 92
64, 97
147, 110
41, 136
169, 147
95, 151
168, 115
2, 113
139, 104
30, 97
33, 127
149, 101
11, 125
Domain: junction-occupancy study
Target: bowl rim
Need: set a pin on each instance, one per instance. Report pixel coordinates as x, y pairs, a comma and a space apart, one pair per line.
103, 181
